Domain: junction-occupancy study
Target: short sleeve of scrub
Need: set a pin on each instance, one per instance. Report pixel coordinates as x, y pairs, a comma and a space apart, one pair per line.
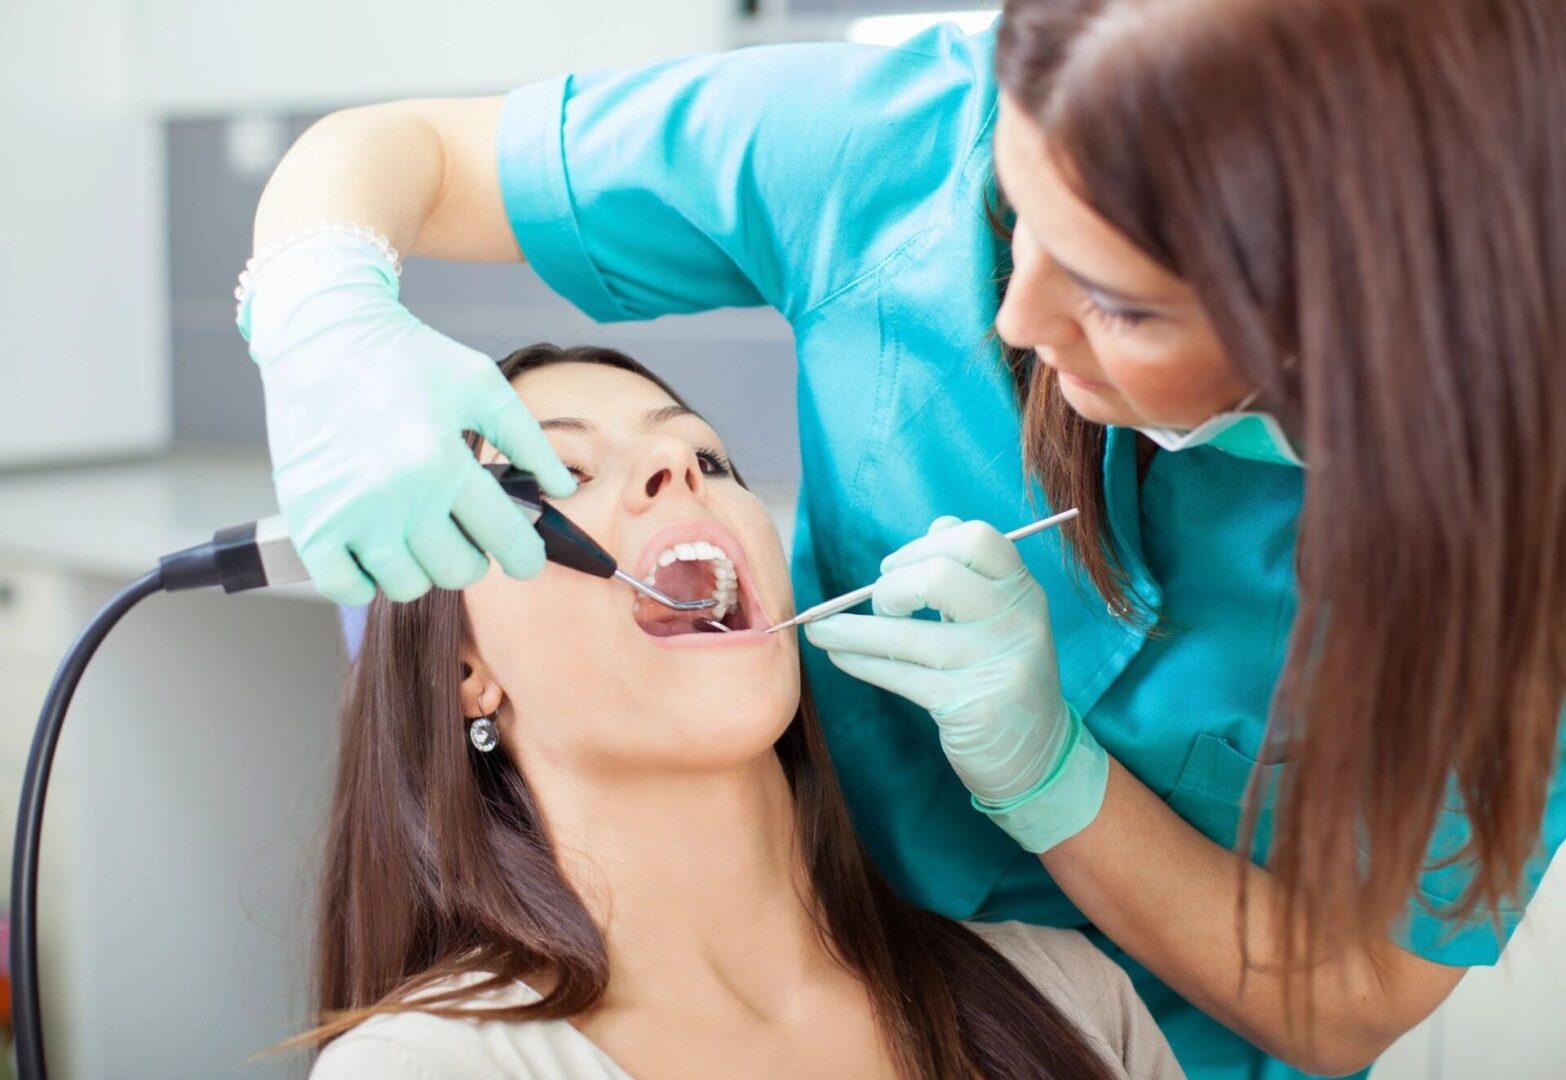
772, 175
1430, 931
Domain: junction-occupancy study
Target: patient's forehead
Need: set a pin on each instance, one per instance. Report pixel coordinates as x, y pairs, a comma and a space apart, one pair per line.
608, 398
590, 391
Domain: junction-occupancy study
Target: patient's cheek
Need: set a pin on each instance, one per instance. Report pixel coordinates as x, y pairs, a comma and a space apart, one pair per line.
544, 639
504, 617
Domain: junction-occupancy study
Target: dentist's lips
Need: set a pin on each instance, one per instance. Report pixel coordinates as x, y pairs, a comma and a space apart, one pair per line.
1086, 384
1049, 359
671, 630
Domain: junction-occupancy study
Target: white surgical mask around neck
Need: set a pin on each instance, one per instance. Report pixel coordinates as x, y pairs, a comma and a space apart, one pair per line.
1243, 432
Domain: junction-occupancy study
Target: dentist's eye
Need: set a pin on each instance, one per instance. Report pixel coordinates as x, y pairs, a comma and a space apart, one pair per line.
1111, 317
713, 462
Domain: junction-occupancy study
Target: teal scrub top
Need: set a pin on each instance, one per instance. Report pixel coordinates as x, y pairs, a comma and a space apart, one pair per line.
845, 186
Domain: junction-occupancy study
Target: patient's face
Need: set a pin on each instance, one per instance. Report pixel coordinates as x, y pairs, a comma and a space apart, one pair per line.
595, 676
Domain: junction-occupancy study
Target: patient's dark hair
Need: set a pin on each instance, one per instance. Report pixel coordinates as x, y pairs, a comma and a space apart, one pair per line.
439, 863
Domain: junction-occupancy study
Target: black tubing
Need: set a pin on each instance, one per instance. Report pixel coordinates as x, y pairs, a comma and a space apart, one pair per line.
26, 1014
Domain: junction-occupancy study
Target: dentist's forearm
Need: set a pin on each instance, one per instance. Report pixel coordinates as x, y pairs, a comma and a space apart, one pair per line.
421, 173
1167, 895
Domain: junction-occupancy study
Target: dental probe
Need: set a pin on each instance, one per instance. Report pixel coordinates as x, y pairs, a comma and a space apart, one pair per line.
849, 599
259, 553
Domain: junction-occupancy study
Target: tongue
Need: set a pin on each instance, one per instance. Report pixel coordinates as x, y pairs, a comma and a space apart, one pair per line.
680, 580
685, 580
682, 623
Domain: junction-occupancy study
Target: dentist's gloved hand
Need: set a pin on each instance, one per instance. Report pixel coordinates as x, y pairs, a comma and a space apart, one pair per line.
987, 674
365, 409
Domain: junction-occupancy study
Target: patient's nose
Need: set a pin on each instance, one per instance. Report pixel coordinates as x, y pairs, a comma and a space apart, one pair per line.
672, 469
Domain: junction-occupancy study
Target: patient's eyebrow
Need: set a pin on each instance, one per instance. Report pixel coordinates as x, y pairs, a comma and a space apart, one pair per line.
667, 413
566, 423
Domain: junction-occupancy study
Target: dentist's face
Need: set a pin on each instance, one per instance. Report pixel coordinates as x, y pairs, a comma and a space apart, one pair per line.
596, 679
1131, 342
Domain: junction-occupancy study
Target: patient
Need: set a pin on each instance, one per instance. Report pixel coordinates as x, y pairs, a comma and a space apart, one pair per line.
653, 873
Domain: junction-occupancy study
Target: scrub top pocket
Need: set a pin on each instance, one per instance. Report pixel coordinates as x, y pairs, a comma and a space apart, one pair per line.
1210, 793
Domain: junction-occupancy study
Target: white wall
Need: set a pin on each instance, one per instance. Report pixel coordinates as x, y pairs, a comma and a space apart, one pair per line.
212, 56
84, 87
82, 357
1503, 1021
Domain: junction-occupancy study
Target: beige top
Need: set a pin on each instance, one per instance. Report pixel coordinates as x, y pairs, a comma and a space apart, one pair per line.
1088, 987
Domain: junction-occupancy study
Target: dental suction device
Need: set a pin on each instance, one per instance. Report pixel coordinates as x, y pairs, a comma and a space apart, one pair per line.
259, 553
250, 556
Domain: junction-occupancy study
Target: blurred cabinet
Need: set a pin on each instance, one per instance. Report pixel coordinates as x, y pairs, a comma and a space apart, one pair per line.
881, 22
182, 828
32, 638
180, 839
83, 363
202, 57
33, 635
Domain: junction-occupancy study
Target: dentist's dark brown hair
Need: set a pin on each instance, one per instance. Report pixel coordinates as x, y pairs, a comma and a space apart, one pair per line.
439, 864
1378, 189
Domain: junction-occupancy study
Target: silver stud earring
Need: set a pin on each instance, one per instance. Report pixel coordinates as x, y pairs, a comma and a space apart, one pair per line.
483, 734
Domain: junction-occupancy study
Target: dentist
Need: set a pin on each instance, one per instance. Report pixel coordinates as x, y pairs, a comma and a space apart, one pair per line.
1243, 236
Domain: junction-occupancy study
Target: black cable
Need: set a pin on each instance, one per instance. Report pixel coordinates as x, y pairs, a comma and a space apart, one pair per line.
27, 1017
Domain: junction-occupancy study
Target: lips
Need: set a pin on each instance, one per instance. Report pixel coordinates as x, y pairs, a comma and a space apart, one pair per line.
690, 579
1050, 359
1086, 384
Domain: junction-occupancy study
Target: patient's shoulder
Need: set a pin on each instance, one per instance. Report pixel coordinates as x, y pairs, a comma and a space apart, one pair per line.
1091, 990
1049, 953
417, 1045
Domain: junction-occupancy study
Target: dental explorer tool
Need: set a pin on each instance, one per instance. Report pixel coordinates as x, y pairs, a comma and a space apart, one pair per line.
260, 553
858, 596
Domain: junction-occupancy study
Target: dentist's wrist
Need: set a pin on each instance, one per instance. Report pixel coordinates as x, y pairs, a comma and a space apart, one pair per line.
329, 260
1064, 802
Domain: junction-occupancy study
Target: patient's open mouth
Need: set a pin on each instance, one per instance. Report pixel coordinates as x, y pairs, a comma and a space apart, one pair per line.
694, 570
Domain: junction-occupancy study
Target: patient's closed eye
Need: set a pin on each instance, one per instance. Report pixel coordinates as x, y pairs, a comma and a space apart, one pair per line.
713, 462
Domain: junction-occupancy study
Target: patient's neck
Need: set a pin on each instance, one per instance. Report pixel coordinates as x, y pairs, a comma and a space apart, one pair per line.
695, 878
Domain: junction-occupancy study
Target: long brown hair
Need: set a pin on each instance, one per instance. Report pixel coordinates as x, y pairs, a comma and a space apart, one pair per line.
439, 863
1376, 189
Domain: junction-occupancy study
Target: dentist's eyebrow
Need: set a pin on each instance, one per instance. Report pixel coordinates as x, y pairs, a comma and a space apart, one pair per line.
1086, 284
1115, 296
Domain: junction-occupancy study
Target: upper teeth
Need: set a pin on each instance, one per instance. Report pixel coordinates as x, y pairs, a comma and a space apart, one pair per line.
724, 577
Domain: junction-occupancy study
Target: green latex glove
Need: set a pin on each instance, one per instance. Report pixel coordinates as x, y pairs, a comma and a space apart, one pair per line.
365, 411
987, 673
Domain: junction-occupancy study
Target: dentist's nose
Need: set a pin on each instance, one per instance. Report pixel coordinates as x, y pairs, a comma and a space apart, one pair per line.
1038, 308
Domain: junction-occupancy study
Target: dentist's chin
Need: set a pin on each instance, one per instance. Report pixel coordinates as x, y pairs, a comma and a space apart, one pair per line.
1093, 400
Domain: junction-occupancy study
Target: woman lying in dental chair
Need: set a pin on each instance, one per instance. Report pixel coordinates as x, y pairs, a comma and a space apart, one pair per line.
579, 835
